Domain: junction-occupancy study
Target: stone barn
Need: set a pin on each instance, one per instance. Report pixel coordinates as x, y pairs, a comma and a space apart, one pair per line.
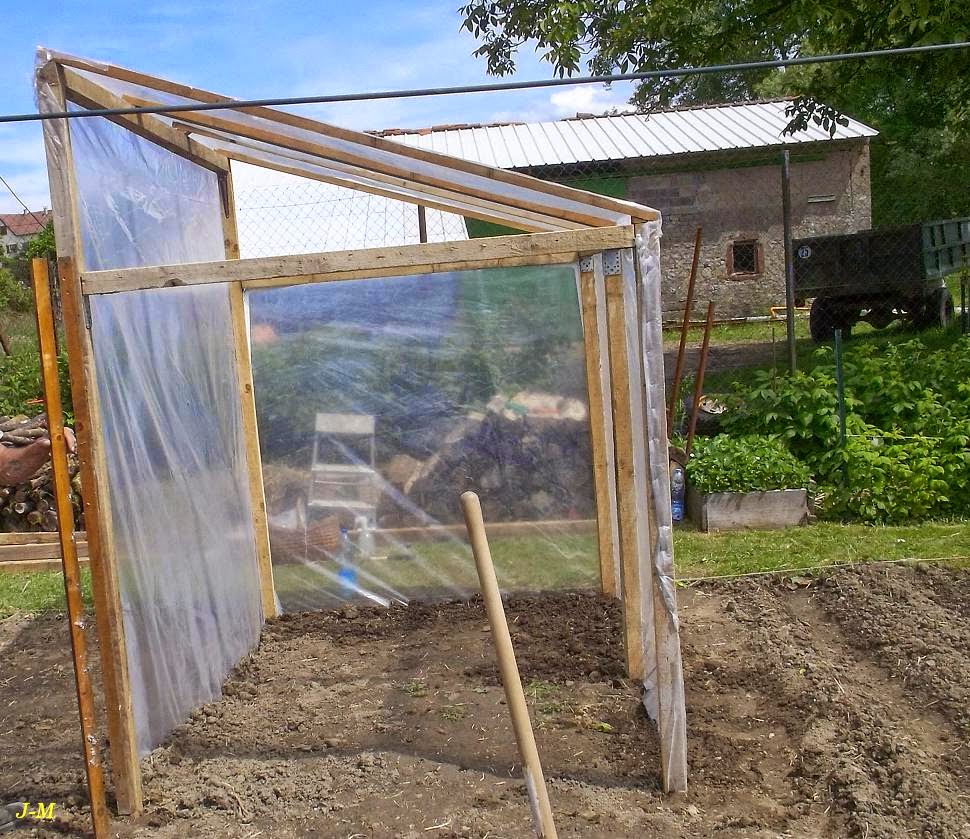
715, 167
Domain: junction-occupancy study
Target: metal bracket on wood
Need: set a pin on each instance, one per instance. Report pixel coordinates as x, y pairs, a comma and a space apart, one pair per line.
586, 265
611, 263
86, 307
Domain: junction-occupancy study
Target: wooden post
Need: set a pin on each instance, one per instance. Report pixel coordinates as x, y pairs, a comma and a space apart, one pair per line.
125, 764
695, 403
535, 782
422, 223
247, 403
605, 510
91, 747
627, 501
681, 349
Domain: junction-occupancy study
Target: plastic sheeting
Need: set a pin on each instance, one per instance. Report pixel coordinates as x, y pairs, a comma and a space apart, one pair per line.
179, 497
380, 401
650, 327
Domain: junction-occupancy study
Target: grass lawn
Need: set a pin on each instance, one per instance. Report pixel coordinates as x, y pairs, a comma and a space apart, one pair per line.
569, 561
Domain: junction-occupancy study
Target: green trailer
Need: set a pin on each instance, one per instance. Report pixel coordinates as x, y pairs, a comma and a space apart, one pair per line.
879, 276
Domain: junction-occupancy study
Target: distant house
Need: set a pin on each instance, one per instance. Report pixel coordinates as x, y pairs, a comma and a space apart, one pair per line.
16, 229
714, 167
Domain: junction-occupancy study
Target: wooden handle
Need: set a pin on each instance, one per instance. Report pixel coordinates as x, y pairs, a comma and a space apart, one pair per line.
514, 696
65, 527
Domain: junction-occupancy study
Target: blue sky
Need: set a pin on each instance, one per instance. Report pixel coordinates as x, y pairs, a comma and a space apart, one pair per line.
274, 48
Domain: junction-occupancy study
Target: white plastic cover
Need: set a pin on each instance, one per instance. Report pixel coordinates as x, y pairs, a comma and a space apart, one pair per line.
380, 401
658, 473
176, 471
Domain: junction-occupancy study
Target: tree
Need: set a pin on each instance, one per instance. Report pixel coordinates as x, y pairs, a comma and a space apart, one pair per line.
919, 103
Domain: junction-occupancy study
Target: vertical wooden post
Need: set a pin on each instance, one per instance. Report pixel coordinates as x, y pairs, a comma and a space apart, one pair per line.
662, 639
91, 747
422, 223
627, 501
125, 765
605, 514
247, 403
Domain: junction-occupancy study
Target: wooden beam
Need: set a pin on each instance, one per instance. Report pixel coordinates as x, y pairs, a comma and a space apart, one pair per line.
660, 598
321, 266
84, 92
366, 180
623, 442
419, 175
36, 549
33, 566
605, 510
247, 404
500, 176
125, 765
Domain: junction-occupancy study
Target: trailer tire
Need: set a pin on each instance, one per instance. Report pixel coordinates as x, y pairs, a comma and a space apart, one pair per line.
825, 317
938, 309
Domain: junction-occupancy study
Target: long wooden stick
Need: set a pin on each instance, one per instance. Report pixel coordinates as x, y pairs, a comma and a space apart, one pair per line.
682, 349
65, 527
701, 370
515, 698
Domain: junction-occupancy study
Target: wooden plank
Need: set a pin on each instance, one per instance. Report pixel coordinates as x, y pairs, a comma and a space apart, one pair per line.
535, 200
254, 464
247, 404
460, 204
614, 205
597, 430
627, 501
496, 530
273, 157
61, 484
84, 92
567, 258
38, 550
32, 566
321, 265
125, 765
659, 597
35, 538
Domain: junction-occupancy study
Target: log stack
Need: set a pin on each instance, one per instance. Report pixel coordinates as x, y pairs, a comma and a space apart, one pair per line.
527, 456
29, 506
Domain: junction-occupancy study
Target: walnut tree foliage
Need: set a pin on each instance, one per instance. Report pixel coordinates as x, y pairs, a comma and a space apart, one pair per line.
920, 104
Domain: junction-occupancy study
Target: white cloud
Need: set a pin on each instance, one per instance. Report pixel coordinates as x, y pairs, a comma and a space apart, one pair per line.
589, 99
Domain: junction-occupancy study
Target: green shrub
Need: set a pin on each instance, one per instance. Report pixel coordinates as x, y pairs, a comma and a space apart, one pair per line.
744, 464
13, 295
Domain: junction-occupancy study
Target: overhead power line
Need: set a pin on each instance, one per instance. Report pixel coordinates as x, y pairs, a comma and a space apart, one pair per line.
489, 88
20, 201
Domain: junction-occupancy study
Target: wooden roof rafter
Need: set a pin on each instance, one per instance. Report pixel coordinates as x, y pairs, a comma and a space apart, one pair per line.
506, 193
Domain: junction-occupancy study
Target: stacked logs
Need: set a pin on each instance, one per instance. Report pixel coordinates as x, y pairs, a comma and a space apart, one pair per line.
30, 506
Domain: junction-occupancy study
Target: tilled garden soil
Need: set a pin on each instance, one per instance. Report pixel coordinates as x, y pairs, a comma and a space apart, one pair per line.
838, 708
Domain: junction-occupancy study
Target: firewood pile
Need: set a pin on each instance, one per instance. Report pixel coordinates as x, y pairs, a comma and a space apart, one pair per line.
528, 457
30, 506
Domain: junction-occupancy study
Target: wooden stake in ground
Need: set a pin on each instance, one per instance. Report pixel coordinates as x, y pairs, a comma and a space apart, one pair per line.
695, 404
531, 768
681, 349
65, 526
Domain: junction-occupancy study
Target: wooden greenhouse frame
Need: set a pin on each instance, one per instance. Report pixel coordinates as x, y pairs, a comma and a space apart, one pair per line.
619, 307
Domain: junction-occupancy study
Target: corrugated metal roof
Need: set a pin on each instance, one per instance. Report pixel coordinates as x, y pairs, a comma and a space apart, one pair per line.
623, 136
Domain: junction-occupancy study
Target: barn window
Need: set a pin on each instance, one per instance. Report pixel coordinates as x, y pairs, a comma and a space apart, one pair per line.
744, 258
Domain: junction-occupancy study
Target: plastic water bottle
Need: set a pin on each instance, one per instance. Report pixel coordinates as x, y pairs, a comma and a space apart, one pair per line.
365, 537
678, 486
348, 572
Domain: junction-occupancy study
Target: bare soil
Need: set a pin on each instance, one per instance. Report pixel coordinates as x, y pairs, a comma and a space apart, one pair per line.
839, 708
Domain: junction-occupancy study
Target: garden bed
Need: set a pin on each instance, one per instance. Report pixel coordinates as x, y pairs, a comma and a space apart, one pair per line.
832, 709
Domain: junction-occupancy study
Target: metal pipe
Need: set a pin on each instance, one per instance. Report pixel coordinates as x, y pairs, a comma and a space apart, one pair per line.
789, 259
840, 385
688, 306
65, 526
496, 86
699, 384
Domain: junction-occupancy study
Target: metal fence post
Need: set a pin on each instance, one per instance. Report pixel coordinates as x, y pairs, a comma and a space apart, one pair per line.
789, 259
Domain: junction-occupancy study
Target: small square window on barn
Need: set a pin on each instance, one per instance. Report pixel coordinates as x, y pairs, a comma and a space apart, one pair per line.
745, 258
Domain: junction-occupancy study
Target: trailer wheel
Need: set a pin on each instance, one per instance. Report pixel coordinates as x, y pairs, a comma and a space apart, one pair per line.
825, 317
938, 309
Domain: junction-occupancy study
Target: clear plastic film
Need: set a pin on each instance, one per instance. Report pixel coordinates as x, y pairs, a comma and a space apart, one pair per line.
668, 675
180, 511
380, 401
177, 482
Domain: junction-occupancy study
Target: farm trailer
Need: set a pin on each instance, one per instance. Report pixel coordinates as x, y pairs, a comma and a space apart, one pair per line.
879, 276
